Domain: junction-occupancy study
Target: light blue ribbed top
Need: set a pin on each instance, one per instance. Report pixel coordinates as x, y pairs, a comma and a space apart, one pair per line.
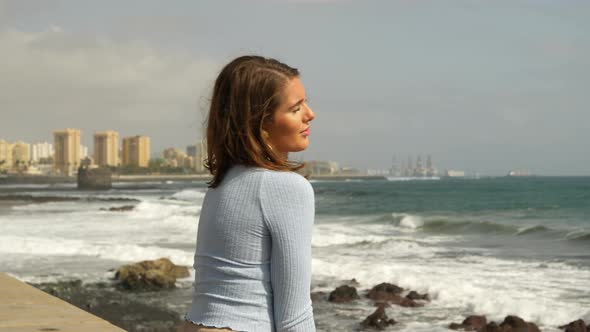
253, 257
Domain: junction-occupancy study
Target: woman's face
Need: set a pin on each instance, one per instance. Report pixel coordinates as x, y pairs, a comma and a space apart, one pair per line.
289, 129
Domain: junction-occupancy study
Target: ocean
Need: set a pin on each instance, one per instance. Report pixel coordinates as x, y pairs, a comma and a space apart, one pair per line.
492, 246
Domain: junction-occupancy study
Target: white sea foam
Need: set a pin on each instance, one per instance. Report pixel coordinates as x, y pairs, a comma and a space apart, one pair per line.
190, 195
461, 284
412, 222
37, 246
48, 207
480, 285
334, 234
370, 248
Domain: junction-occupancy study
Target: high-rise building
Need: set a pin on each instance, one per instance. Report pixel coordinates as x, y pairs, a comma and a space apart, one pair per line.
106, 148
175, 157
21, 153
173, 153
199, 153
136, 151
83, 151
67, 151
40, 151
5, 155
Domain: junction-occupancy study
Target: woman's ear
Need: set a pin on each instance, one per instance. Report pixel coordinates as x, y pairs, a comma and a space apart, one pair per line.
264, 133
266, 138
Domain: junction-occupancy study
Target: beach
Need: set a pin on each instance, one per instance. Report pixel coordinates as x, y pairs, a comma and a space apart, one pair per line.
491, 246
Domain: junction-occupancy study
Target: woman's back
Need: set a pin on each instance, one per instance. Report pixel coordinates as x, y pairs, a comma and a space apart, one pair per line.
253, 257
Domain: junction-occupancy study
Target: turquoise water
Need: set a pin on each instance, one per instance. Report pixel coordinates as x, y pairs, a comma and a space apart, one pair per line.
514, 211
491, 246
540, 195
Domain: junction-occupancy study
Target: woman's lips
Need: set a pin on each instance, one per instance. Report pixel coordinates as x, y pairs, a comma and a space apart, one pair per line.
306, 131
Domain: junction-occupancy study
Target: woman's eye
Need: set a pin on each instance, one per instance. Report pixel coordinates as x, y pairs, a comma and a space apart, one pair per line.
295, 110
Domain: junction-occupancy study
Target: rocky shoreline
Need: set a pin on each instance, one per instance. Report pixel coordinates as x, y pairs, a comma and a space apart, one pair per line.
129, 300
131, 311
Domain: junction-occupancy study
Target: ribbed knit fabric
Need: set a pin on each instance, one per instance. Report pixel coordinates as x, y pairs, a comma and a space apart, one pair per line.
253, 257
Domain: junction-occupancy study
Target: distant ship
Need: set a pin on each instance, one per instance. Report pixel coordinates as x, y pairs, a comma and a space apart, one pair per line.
519, 173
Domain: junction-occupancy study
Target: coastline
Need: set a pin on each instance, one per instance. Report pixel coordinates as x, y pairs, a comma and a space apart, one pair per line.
35, 179
485, 234
19, 302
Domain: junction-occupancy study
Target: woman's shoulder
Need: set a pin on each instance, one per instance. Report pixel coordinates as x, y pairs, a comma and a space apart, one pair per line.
281, 181
286, 177
267, 177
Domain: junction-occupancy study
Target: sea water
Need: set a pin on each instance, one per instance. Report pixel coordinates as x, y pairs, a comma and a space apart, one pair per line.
492, 246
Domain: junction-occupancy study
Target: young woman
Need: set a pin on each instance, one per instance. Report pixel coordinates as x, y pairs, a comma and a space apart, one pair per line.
253, 256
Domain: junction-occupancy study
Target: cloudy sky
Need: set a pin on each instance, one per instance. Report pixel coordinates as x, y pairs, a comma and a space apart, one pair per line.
483, 86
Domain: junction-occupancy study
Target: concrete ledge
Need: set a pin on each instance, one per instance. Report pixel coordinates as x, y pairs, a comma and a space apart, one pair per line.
24, 308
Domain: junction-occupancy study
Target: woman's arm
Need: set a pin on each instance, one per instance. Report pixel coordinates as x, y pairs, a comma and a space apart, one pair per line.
287, 202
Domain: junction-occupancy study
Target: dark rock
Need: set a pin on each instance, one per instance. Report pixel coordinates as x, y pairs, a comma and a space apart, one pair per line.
343, 294
94, 178
455, 326
471, 323
575, 326
114, 199
134, 312
119, 208
390, 293
386, 288
492, 327
378, 319
475, 322
150, 275
353, 283
518, 324
413, 295
386, 292
510, 324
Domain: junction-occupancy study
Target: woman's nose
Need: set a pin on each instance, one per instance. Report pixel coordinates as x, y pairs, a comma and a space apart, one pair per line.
310, 114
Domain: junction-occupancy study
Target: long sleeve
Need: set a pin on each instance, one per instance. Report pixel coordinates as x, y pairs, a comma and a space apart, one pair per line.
287, 203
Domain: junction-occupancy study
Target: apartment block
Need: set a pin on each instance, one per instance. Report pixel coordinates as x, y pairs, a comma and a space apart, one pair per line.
136, 151
67, 151
106, 148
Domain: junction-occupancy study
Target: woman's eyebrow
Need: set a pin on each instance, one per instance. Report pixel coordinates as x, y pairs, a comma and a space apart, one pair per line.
297, 103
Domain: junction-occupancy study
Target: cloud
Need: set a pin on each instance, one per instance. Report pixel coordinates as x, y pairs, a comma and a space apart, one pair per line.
54, 78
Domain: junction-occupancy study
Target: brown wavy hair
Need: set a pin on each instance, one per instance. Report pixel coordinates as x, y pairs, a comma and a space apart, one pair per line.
246, 94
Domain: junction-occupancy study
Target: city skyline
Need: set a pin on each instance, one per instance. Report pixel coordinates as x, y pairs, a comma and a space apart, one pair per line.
106, 152
487, 87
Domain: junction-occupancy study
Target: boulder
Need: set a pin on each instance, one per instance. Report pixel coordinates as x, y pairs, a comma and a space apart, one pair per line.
510, 324
150, 275
471, 323
94, 178
476, 322
390, 293
343, 294
353, 283
518, 324
575, 326
378, 319
385, 287
492, 327
384, 292
413, 295
119, 208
